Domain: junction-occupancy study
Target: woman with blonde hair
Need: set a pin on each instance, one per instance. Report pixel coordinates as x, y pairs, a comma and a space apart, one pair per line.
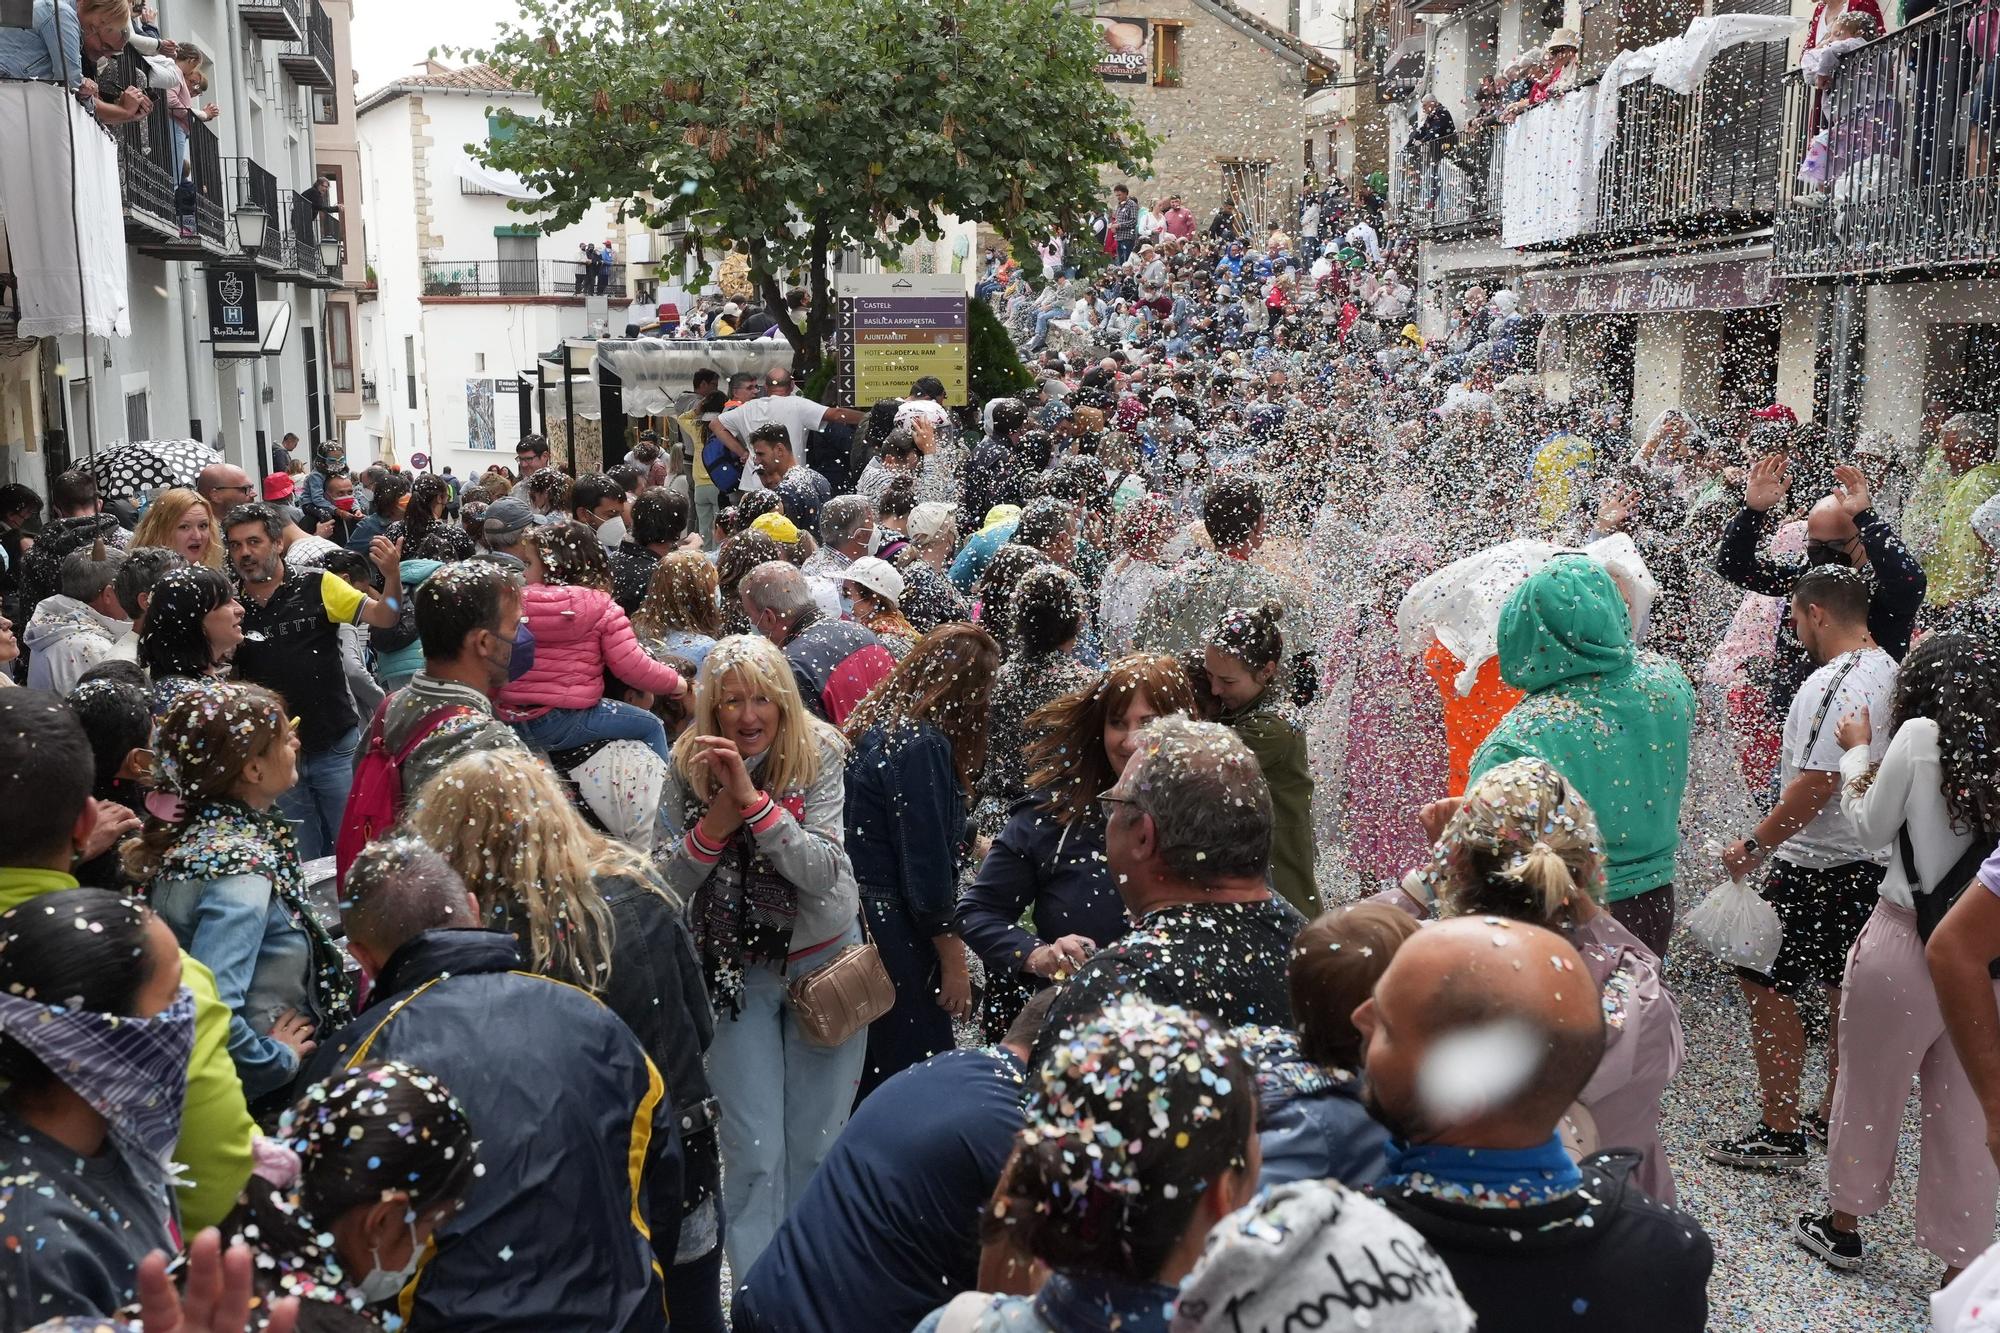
682, 613
757, 791
181, 521
593, 912
1523, 844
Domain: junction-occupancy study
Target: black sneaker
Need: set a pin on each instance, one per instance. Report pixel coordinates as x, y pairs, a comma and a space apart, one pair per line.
1763, 1147
1841, 1249
1814, 1126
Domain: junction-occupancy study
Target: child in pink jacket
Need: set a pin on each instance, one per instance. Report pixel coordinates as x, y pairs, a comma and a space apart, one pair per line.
579, 634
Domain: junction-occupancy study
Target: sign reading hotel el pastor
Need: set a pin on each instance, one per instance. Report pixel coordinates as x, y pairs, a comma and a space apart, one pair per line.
893, 329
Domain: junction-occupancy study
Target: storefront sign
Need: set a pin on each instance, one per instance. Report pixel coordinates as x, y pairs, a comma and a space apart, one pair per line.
232, 310
1125, 49
1729, 284
892, 329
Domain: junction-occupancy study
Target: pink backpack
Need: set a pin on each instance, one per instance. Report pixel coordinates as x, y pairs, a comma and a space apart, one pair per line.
375, 801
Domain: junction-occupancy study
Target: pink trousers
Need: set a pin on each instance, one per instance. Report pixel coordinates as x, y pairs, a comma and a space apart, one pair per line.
1891, 1030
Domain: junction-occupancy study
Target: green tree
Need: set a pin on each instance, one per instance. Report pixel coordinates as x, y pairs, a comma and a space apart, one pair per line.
796, 128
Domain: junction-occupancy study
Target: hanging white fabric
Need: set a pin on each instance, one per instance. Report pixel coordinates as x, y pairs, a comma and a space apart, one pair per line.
1679, 64
65, 214
503, 183
1549, 190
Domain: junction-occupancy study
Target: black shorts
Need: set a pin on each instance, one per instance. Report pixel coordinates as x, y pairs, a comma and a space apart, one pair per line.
1822, 911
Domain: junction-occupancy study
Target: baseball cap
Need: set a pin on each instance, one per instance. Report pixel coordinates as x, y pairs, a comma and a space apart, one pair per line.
507, 519
999, 514
777, 527
277, 487
877, 575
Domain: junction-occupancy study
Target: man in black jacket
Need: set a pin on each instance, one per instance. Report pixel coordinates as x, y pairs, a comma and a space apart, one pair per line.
1534, 1240
577, 1208
1842, 529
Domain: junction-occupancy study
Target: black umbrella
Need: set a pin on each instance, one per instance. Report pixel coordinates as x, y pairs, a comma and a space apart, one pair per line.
132, 470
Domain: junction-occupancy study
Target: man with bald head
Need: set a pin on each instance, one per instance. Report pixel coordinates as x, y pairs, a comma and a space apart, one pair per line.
1478, 1039
1841, 529
224, 487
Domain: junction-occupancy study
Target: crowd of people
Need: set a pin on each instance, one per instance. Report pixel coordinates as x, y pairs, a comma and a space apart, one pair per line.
1189, 846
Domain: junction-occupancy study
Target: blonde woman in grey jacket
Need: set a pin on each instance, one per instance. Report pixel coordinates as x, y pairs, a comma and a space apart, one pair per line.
756, 796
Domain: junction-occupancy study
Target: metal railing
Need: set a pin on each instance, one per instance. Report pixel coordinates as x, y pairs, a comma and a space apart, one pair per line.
310, 62
1396, 43
155, 155
251, 184
1706, 161
1458, 193
1891, 164
302, 224
273, 20
515, 277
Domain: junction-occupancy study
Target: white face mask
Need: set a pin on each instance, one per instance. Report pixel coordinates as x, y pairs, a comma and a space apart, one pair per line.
382, 1285
876, 539
611, 533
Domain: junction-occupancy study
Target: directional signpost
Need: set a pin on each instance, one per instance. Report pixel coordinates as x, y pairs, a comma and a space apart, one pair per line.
893, 329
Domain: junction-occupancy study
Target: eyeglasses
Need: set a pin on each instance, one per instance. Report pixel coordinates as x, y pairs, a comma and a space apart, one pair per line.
1110, 800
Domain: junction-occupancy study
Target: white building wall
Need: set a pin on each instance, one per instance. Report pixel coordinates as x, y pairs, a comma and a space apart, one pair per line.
1906, 353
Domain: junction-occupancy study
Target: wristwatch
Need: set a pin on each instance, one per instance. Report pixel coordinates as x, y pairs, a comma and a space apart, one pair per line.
1751, 845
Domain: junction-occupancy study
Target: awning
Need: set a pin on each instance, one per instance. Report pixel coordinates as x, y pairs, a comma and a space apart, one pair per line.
503, 183
652, 372
1735, 281
69, 262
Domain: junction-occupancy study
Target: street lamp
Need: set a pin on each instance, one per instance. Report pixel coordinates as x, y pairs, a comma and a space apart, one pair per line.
250, 223
329, 254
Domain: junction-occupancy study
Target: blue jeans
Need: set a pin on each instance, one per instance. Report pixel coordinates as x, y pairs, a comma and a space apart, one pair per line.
318, 799
1043, 318
605, 720
784, 1101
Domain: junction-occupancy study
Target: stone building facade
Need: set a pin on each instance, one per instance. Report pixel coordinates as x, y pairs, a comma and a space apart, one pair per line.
1224, 98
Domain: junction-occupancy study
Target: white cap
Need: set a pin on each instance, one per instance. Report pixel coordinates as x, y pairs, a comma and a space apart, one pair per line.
1165, 395
878, 576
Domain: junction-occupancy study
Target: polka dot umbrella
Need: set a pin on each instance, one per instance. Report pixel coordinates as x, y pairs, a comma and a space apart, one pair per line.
129, 471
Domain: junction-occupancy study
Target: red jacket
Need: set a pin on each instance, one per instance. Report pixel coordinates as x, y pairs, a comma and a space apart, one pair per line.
578, 632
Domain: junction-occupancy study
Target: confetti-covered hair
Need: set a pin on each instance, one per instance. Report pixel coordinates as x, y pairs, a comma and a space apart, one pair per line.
1132, 1115
504, 822
169, 507
1066, 759
1251, 634
1954, 680
212, 732
360, 1135
792, 762
1524, 845
173, 642
683, 593
80, 948
572, 557
945, 680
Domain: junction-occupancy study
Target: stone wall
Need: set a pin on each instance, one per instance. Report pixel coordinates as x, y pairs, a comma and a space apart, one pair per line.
1236, 101
429, 244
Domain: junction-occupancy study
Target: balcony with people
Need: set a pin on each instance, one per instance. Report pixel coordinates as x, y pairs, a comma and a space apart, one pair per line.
309, 61
259, 226
1889, 154
522, 279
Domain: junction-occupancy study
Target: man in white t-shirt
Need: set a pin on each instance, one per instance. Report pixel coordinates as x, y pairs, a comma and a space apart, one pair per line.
779, 406
1823, 882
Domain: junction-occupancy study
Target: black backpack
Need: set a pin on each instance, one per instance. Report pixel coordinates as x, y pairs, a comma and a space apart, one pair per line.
1932, 901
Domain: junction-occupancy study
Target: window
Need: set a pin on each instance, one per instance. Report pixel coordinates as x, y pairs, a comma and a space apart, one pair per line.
517, 266
1166, 54
498, 130
340, 345
337, 196
1249, 184
326, 107
138, 417
410, 368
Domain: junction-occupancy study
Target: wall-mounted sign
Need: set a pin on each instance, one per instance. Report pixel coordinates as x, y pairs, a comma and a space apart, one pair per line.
232, 310
893, 329
1125, 49
1730, 284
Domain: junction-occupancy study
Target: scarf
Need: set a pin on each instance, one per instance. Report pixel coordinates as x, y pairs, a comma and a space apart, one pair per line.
1483, 1177
226, 837
132, 1071
742, 914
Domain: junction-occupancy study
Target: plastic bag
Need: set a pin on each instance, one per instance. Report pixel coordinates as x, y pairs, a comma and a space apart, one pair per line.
1736, 925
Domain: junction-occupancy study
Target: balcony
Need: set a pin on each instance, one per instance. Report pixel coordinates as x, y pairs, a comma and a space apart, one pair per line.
251, 184
310, 61
1904, 162
509, 278
1398, 43
154, 156
302, 223
1459, 196
274, 20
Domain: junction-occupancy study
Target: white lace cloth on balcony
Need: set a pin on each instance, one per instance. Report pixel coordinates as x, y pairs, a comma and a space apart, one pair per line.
45, 234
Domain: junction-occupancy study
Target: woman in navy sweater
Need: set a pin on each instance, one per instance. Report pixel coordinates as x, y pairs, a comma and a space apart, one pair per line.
1048, 861
919, 741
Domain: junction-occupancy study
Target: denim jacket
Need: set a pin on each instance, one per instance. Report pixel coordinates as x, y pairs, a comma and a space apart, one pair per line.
262, 963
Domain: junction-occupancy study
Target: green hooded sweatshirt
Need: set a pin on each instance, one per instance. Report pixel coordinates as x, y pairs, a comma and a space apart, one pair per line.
1613, 720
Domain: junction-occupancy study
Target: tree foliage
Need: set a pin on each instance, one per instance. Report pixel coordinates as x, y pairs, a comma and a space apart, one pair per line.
799, 127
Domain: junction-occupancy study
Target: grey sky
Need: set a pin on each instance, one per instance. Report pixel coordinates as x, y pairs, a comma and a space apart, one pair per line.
391, 37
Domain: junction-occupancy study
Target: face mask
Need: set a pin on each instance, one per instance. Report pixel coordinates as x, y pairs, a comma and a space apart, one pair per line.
132, 1071
1826, 553
877, 538
382, 1285
611, 533
522, 660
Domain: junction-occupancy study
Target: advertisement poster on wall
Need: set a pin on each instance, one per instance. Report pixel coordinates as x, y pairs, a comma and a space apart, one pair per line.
1125, 49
